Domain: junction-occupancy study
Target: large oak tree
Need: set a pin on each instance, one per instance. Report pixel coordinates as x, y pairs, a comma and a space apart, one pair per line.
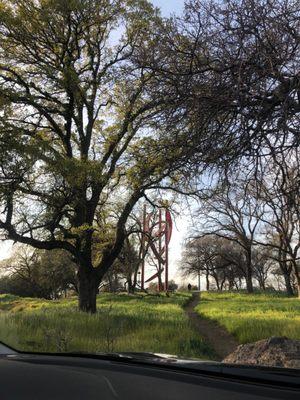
85, 127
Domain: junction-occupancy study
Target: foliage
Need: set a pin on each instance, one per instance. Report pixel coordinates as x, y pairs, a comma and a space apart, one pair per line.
128, 263
153, 286
82, 127
38, 273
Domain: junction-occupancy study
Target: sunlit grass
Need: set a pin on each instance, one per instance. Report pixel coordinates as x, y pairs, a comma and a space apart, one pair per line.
253, 317
122, 323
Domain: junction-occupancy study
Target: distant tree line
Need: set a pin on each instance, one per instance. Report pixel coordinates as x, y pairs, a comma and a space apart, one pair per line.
249, 227
52, 274
38, 273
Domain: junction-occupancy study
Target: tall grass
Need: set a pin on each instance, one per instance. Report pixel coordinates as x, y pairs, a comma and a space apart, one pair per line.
122, 323
253, 317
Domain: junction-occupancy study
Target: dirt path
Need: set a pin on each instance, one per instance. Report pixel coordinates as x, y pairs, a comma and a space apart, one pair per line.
220, 340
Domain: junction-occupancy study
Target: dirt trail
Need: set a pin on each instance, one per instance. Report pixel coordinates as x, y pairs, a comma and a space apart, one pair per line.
219, 339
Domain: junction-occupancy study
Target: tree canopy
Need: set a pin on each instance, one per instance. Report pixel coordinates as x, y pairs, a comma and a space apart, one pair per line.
83, 129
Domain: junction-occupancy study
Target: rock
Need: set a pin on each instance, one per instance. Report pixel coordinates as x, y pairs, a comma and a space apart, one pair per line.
275, 352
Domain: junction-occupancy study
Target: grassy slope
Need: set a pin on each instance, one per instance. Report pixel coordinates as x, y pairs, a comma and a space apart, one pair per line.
253, 317
123, 323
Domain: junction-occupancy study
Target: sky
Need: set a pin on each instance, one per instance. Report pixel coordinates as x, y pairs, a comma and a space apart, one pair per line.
181, 223
169, 6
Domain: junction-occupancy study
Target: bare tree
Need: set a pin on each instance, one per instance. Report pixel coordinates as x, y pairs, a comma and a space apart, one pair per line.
278, 187
198, 258
215, 258
263, 265
233, 214
250, 49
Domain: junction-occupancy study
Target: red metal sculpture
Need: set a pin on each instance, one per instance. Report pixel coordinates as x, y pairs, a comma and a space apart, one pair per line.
156, 236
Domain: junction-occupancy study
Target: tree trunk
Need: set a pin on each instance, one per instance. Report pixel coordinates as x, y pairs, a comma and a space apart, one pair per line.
286, 271
298, 285
222, 284
207, 281
87, 285
288, 285
261, 282
110, 282
297, 276
135, 277
217, 282
287, 277
130, 286
249, 283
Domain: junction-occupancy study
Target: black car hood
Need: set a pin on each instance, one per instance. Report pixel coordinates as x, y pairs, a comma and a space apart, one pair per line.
263, 374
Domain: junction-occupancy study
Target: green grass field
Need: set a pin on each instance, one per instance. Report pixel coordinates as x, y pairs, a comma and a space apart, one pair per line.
253, 317
143, 323
122, 323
